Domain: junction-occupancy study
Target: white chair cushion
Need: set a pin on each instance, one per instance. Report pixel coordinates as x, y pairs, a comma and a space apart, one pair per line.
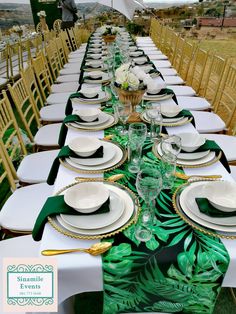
68, 78
65, 87
76, 66
145, 38
69, 71
3, 80
58, 98
53, 113
182, 90
208, 122
226, 142
167, 71
75, 59
157, 56
233, 172
162, 64
48, 135
193, 103
35, 168
23, 206
173, 80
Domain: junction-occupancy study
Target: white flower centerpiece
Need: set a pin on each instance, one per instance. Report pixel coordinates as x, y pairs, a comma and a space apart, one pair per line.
130, 84
109, 33
41, 14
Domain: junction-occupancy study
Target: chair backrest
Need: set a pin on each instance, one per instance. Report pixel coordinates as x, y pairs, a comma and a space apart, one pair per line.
72, 39
226, 97
53, 59
25, 107
42, 76
10, 136
187, 55
32, 87
173, 39
198, 69
63, 55
66, 41
78, 33
14, 61
214, 77
5, 170
178, 53
4, 67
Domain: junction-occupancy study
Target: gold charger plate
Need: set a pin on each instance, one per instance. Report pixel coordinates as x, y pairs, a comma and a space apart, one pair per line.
178, 123
92, 101
136, 210
209, 163
105, 169
192, 223
158, 97
96, 128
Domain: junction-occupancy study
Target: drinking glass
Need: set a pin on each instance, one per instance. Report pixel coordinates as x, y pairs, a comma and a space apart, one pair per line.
124, 111
153, 113
171, 144
167, 169
137, 136
148, 185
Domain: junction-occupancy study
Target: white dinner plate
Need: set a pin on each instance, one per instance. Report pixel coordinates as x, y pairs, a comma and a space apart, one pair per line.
108, 154
211, 156
165, 120
193, 156
117, 158
105, 77
102, 118
192, 213
98, 221
128, 212
171, 121
199, 191
157, 97
101, 126
102, 96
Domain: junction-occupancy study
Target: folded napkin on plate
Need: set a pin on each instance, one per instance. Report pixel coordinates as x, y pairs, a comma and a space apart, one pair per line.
92, 78
208, 209
64, 129
183, 113
66, 152
55, 205
212, 146
69, 107
85, 97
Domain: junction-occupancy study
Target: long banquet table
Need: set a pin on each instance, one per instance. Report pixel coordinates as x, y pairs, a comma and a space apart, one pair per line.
81, 272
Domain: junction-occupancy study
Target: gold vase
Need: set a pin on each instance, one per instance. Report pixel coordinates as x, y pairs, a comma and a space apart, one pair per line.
134, 97
109, 38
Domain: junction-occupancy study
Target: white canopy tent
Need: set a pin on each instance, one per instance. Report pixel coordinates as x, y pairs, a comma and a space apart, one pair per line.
126, 7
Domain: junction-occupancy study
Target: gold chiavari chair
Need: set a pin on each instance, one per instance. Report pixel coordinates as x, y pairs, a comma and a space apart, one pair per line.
225, 104
214, 77
195, 75
53, 59
21, 208
45, 137
27, 169
172, 42
187, 55
3, 67
47, 114
14, 61
178, 53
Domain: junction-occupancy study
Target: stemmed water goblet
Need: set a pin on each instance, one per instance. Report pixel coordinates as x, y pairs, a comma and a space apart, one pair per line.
153, 113
171, 145
148, 185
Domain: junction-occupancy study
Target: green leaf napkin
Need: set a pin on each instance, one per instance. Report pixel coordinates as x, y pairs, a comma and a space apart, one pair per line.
212, 146
208, 209
64, 153
55, 205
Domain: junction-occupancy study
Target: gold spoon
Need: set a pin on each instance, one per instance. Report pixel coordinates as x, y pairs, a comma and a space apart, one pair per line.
95, 249
112, 178
186, 177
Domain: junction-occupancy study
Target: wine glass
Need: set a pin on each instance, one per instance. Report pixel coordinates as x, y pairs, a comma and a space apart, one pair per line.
124, 111
148, 185
171, 145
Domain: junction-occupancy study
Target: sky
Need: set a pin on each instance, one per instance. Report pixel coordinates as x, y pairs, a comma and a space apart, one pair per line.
154, 1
